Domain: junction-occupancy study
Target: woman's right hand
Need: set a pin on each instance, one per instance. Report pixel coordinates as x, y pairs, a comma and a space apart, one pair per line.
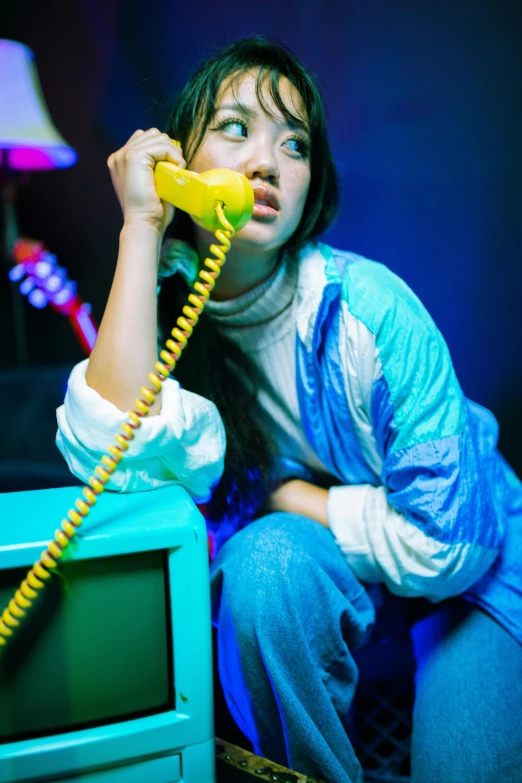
132, 173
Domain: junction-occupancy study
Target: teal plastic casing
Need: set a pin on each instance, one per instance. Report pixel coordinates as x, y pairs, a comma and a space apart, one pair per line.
171, 745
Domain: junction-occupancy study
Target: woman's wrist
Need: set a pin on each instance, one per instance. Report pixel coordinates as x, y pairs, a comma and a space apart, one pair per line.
301, 497
140, 239
136, 225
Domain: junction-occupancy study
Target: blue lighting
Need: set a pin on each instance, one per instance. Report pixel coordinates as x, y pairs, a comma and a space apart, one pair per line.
27, 285
17, 272
37, 298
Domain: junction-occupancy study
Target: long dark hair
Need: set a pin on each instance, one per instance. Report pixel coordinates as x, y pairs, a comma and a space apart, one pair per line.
210, 363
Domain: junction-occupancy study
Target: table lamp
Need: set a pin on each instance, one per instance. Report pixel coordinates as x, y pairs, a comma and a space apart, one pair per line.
28, 142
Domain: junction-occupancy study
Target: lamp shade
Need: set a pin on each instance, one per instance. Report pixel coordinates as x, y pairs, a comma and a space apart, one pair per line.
28, 138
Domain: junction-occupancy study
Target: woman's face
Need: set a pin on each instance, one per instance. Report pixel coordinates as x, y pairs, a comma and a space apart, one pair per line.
272, 153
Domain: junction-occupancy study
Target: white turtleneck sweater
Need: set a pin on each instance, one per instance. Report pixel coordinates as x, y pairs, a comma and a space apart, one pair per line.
262, 323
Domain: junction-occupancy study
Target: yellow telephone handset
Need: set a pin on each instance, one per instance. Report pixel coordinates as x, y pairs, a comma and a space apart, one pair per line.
222, 201
199, 194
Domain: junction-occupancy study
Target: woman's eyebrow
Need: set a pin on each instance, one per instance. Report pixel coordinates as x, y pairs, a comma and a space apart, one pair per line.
240, 107
248, 112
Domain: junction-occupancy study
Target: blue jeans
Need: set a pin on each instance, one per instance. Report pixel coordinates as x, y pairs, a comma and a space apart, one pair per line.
290, 614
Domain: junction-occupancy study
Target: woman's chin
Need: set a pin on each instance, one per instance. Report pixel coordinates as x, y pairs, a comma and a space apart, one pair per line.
256, 236
260, 234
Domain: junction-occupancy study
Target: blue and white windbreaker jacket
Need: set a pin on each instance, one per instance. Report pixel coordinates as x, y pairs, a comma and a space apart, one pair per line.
426, 504
381, 405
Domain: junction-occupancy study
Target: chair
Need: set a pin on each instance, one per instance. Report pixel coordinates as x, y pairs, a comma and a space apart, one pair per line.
29, 458
381, 714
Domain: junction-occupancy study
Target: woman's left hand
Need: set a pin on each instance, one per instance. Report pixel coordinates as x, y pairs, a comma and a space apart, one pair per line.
300, 497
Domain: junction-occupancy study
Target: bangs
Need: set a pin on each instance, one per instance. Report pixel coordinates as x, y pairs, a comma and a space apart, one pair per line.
268, 82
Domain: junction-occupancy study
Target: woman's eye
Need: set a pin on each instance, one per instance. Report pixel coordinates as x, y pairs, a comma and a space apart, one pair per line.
298, 145
235, 127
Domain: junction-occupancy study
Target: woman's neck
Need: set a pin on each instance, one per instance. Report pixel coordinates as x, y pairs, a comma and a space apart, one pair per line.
245, 268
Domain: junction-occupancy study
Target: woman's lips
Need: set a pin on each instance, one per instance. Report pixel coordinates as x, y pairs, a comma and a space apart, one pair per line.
263, 210
266, 201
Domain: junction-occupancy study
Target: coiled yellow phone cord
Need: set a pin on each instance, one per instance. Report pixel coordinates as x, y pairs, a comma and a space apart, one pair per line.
41, 571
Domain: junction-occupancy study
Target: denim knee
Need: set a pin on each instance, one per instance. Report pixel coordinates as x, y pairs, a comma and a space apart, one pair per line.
283, 568
289, 611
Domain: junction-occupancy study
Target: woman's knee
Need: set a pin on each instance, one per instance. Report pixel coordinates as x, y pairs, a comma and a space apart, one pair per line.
284, 569
276, 553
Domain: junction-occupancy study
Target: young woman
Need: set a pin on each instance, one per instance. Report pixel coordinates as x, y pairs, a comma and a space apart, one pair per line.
353, 459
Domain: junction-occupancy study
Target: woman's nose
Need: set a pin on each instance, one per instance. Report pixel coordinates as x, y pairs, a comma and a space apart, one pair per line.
262, 164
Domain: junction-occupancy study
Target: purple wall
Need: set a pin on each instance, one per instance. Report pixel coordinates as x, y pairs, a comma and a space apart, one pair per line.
424, 113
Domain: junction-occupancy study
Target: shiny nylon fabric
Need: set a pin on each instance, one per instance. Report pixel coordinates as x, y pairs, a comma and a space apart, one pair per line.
431, 482
441, 467
329, 428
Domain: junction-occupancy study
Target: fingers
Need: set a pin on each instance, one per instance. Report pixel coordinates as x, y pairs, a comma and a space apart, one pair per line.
142, 138
160, 150
135, 135
132, 174
158, 145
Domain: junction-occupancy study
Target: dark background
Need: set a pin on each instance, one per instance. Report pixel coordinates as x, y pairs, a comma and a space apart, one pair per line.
424, 111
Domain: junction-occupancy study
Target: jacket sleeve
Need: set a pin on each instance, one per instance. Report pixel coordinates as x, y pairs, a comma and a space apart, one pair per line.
430, 528
184, 444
